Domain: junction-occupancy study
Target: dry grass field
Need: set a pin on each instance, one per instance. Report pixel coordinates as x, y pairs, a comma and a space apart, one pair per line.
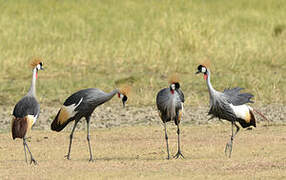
110, 43
107, 43
139, 152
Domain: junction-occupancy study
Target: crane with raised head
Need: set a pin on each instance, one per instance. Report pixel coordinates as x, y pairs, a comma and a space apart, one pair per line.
230, 105
170, 106
82, 104
26, 111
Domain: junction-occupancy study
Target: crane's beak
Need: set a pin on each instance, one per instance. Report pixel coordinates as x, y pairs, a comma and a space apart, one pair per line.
197, 72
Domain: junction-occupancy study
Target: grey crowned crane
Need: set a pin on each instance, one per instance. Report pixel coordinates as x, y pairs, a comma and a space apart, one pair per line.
82, 104
26, 112
170, 105
229, 105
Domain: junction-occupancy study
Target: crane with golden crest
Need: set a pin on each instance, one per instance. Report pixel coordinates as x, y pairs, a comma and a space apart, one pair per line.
27, 110
230, 105
82, 104
170, 103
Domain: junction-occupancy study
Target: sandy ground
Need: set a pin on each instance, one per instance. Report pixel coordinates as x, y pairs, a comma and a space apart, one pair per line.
129, 144
139, 152
107, 116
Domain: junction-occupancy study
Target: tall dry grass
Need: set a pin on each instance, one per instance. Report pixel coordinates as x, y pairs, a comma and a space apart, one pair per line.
105, 44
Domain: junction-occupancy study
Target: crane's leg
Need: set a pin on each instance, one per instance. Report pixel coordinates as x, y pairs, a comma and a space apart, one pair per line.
71, 136
88, 140
166, 137
25, 151
179, 149
32, 158
229, 144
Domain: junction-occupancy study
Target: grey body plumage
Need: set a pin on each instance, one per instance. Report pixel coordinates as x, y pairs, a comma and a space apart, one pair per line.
91, 98
169, 102
28, 105
82, 104
229, 105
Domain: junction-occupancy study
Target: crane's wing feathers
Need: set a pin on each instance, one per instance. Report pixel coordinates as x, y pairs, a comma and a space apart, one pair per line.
181, 95
236, 98
90, 95
164, 103
162, 99
80, 104
73, 99
28, 105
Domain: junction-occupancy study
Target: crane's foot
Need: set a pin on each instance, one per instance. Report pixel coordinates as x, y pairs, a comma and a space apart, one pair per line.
168, 157
67, 157
178, 155
91, 160
228, 149
33, 161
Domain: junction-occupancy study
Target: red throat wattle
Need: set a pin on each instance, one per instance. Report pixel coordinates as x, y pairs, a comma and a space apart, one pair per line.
118, 95
36, 75
172, 91
205, 76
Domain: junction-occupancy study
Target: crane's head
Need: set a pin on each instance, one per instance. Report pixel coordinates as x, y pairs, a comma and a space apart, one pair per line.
202, 69
174, 82
122, 94
37, 65
174, 86
123, 98
40, 66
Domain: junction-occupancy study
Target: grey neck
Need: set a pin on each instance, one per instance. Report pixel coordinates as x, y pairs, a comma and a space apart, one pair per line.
111, 94
212, 91
32, 91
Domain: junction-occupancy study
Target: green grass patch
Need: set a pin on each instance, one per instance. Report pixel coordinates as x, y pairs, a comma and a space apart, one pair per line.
105, 44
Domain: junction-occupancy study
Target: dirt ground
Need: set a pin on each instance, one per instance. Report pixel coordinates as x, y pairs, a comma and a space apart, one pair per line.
129, 144
109, 115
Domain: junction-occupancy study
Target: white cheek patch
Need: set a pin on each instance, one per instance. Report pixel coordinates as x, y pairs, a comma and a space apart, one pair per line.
38, 66
204, 69
121, 96
173, 86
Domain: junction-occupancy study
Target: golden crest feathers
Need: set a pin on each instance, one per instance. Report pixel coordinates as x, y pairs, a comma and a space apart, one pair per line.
36, 61
174, 78
125, 90
206, 63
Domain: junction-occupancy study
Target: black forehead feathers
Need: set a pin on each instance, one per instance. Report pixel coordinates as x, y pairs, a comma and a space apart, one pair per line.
200, 67
177, 85
124, 98
41, 64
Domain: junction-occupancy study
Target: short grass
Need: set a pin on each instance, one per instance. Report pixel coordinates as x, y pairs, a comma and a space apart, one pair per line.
105, 44
139, 153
